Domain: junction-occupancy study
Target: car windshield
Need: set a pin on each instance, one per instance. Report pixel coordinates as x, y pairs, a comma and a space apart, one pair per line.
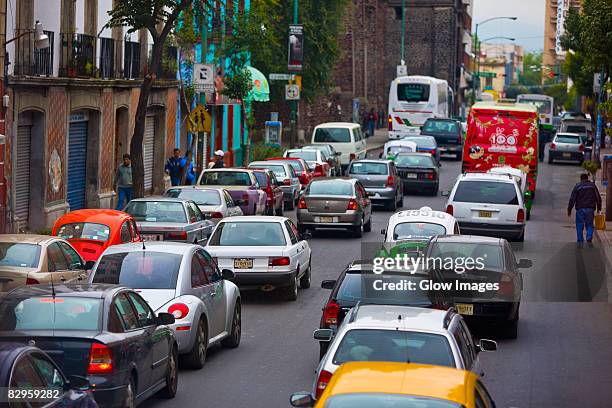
277, 169
49, 313
19, 255
385, 400
225, 178
365, 287
200, 197
394, 346
157, 211
248, 233
308, 155
332, 135
423, 141
441, 126
369, 168
488, 192
84, 230
576, 129
140, 269
413, 92
567, 139
406, 160
409, 230
491, 256
330, 187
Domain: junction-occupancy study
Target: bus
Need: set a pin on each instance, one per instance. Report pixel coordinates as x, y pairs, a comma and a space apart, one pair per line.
413, 100
545, 105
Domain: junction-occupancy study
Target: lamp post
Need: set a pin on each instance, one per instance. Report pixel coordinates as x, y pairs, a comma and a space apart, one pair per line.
402, 48
294, 104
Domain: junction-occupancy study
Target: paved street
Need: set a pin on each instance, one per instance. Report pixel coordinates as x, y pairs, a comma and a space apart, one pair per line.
559, 339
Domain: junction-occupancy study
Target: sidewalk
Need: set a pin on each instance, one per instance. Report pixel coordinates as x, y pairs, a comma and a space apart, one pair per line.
605, 237
381, 136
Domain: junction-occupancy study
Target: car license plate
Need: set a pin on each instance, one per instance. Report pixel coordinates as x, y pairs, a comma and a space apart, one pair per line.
485, 214
465, 309
411, 175
152, 237
327, 219
243, 263
567, 155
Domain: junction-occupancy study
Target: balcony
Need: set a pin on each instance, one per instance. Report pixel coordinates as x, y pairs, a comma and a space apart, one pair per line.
131, 60
30, 61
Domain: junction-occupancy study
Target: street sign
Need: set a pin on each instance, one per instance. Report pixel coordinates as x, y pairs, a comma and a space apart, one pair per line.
487, 74
402, 70
204, 77
281, 77
292, 92
199, 120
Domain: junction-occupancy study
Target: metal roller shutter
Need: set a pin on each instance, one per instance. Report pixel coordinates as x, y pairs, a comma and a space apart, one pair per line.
77, 165
22, 173
149, 151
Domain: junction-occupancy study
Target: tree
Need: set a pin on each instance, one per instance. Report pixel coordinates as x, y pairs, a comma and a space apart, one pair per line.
158, 17
532, 69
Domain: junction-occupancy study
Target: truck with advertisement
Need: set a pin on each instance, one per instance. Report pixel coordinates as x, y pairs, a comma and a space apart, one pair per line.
500, 135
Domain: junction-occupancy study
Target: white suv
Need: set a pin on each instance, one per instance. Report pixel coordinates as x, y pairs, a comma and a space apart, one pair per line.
399, 334
488, 204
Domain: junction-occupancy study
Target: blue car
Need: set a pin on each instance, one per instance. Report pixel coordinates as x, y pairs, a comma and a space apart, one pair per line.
426, 144
24, 367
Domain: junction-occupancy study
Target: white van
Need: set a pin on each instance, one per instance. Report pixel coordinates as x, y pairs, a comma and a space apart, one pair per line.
346, 138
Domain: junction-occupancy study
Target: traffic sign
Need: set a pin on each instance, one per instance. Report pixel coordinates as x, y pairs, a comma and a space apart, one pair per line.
292, 92
281, 77
487, 74
199, 120
402, 70
204, 77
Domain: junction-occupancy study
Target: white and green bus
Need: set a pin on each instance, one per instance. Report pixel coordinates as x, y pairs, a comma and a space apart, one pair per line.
545, 105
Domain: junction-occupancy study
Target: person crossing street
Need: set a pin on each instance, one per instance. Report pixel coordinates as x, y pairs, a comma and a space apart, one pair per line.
123, 182
586, 199
173, 168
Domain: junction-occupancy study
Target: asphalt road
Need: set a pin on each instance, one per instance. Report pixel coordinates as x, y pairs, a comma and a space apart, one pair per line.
562, 357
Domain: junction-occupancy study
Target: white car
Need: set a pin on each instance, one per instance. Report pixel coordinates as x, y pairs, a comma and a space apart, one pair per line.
316, 159
420, 224
488, 204
394, 147
346, 138
263, 252
399, 334
215, 203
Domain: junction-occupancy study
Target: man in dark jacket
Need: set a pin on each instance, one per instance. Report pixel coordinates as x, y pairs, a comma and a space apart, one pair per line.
173, 168
585, 197
217, 163
123, 182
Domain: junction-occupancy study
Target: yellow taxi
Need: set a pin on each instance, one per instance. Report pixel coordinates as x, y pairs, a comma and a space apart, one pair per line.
399, 385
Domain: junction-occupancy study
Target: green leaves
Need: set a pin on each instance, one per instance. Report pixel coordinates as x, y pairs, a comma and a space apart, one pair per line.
238, 84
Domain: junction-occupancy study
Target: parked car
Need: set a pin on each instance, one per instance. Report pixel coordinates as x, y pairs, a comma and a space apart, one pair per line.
183, 280
215, 203
106, 334
488, 204
27, 259
399, 334
333, 157
335, 203
380, 180
566, 147
91, 231
241, 184
299, 166
290, 183
271, 186
448, 134
426, 144
347, 138
499, 267
418, 172
264, 253
170, 219
25, 366
316, 160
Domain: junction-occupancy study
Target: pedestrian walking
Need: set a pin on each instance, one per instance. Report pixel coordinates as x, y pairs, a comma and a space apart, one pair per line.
189, 171
542, 136
586, 199
217, 163
173, 168
123, 182
371, 122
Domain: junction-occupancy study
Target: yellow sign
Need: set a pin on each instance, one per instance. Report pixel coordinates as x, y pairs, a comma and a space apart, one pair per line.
199, 120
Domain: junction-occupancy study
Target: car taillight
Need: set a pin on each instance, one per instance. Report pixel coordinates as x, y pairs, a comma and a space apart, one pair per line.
520, 215
31, 281
352, 205
279, 261
100, 359
352, 156
302, 204
506, 285
216, 214
390, 181
433, 152
178, 310
553, 146
430, 175
330, 314
287, 182
390, 122
449, 209
581, 148
182, 235
322, 382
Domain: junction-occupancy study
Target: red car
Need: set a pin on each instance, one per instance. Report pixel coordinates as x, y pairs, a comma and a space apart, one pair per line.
270, 185
91, 231
301, 169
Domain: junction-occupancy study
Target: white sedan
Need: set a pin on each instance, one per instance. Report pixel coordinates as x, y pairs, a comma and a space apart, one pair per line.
263, 252
215, 203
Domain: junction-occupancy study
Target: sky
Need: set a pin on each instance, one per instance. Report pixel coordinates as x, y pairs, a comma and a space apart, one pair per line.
528, 29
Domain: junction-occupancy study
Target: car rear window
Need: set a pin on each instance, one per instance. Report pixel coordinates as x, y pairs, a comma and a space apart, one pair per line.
576, 129
50, 313
157, 211
491, 255
411, 230
84, 230
19, 255
308, 155
363, 400
440, 126
414, 160
225, 178
394, 346
332, 135
277, 169
488, 192
423, 141
140, 270
200, 197
369, 168
567, 139
248, 234
362, 287
330, 187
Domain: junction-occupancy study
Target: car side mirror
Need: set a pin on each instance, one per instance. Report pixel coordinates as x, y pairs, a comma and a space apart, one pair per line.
165, 319
328, 284
525, 263
301, 399
383, 231
227, 274
486, 345
78, 382
323, 334
89, 265
305, 236
445, 193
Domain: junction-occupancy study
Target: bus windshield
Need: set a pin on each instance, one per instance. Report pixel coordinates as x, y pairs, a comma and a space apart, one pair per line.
544, 106
413, 92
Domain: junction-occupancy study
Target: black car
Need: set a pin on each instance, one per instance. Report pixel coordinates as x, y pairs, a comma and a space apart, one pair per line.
358, 283
418, 172
448, 134
489, 292
24, 367
105, 334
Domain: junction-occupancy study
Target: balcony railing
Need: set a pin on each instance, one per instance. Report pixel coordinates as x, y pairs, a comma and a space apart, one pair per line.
30, 60
77, 55
131, 60
106, 61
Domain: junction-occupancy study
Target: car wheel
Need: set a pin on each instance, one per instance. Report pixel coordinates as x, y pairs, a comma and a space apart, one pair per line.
528, 215
130, 391
358, 230
291, 291
233, 340
392, 205
171, 376
197, 355
306, 279
367, 227
511, 327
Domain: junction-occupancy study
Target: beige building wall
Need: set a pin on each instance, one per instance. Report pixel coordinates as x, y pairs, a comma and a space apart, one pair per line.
550, 57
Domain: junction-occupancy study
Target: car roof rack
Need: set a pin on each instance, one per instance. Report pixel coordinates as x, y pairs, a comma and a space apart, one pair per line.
448, 317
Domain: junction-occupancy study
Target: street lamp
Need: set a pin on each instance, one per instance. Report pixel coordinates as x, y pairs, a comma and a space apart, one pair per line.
41, 40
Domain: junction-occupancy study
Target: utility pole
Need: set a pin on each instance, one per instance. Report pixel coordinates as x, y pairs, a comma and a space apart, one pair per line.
203, 52
402, 49
294, 104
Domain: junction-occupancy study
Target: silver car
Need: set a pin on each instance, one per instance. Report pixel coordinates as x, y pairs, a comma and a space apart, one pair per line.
290, 183
170, 219
566, 146
215, 203
381, 181
181, 279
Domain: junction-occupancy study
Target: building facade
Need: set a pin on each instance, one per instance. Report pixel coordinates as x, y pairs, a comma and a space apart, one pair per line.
501, 65
554, 18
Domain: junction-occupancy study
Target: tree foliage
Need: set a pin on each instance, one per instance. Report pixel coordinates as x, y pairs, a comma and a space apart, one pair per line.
532, 69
